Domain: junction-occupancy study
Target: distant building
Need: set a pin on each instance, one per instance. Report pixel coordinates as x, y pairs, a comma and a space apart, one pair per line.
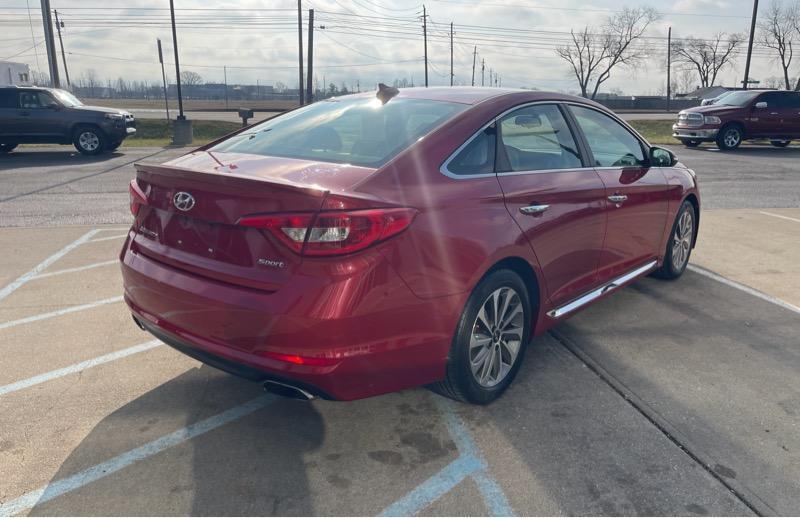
15, 74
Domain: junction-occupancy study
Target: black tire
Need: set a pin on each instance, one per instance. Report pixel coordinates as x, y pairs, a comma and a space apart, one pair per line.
690, 143
730, 137
780, 143
89, 140
460, 383
671, 270
7, 148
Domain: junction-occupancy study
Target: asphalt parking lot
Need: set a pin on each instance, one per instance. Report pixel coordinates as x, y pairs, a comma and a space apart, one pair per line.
667, 398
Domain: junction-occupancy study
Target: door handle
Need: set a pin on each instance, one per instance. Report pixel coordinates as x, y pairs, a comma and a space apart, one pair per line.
534, 209
617, 198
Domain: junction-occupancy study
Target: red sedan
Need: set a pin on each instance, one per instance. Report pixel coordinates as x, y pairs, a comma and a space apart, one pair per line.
366, 244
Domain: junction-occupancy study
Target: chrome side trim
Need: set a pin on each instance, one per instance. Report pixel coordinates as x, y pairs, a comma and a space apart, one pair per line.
597, 293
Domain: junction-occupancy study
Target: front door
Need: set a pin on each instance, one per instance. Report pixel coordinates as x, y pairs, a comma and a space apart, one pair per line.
637, 194
557, 202
38, 116
767, 116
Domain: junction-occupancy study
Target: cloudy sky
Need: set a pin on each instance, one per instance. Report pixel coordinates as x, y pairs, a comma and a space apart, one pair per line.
362, 41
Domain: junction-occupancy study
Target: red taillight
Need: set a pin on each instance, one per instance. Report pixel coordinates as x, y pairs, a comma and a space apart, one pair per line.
335, 232
138, 197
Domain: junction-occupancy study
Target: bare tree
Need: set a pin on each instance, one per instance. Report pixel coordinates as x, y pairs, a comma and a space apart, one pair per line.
778, 30
190, 78
707, 56
594, 54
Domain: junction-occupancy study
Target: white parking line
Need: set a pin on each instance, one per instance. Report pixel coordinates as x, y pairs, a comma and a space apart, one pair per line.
77, 269
109, 238
747, 289
98, 471
71, 309
8, 290
778, 216
78, 367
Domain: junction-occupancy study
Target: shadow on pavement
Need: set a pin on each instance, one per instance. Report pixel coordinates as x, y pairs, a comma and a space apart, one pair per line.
31, 157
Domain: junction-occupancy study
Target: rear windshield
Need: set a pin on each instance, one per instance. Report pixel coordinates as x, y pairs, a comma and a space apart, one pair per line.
359, 131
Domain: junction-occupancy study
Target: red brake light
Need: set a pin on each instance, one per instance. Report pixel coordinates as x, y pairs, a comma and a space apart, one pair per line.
335, 232
138, 197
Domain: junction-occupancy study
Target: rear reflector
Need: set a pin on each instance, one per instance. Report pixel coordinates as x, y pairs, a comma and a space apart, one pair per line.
335, 232
138, 197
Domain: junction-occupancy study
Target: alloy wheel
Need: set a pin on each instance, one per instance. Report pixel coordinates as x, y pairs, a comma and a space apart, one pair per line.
496, 337
682, 240
89, 141
732, 137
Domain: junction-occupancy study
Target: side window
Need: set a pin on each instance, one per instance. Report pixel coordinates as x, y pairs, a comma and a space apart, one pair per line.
611, 143
34, 100
8, 99
477, 157
535, 138
774, 99
793, 100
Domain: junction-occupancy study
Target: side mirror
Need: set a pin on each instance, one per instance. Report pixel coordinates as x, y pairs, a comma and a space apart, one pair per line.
660, 157
761, 104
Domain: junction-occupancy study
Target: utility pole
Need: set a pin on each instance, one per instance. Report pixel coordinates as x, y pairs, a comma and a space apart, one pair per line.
490, 77
669, 65
300, 49
181, 116
310, 75
163, 77
225, 80
474, 56
425, 38
61, 42
50, 43
451, 54
750, 45
483, 67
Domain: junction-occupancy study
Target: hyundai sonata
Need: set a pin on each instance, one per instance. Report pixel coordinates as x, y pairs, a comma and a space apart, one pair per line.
366, 244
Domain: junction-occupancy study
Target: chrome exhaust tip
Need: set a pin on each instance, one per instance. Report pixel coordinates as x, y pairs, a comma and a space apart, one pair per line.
287, 391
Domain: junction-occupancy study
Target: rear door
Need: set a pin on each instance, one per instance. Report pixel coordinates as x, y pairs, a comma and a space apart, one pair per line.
792, 114
637, 194
557, 202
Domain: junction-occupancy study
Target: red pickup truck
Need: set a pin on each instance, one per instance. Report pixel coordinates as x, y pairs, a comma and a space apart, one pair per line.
748, 114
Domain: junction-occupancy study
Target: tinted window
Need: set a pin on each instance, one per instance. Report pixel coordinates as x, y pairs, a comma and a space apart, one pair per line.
8, 98
477, 157
359, 131
610, 142
774, 99
536, 138
34, 100
793, 100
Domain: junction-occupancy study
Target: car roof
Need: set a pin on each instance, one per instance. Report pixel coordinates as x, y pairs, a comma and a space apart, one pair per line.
475, 94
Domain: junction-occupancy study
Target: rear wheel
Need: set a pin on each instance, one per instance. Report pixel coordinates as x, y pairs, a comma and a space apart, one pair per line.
7, 148
89, 140
490, 340
729, 137
680, 243
780, 143
690, 142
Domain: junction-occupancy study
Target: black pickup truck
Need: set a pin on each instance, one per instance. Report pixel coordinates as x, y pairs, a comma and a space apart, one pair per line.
33, 115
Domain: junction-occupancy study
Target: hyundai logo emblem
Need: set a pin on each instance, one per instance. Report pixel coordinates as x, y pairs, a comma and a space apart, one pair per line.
183, 201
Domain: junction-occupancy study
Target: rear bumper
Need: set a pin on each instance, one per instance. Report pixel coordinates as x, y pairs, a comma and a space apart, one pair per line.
694, 133
348, 339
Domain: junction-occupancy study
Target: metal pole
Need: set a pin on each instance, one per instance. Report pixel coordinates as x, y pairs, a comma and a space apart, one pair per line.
451, 53
181, 116
300, 50
474, 56
52, 60
225, 79
483, 67
750, 45
163, 77
425, 38
310, 75
669, 65
61, 43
